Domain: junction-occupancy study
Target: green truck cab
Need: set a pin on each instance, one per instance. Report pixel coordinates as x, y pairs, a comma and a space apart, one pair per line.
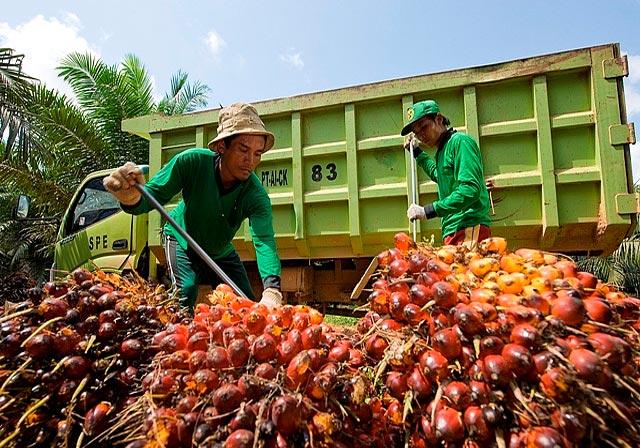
552, 130
96, 233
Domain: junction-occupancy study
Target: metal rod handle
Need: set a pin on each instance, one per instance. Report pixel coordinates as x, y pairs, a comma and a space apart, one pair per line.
192, 243
414, 189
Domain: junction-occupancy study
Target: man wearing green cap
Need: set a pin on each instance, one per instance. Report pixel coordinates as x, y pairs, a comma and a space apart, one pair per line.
463, 200
219, 191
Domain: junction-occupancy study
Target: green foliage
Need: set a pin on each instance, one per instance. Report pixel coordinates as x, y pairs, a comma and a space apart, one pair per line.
49, 142
621, 268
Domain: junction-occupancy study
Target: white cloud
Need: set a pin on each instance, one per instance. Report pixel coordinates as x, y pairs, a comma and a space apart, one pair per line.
215, 42
632, 97
44, 42
293, 59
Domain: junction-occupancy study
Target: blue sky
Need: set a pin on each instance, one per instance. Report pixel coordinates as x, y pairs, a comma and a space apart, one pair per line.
253, 50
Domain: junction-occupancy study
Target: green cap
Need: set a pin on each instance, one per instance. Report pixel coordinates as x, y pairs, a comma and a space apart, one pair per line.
418, 111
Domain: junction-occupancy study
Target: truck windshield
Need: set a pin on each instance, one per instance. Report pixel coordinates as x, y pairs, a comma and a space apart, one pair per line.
94, 204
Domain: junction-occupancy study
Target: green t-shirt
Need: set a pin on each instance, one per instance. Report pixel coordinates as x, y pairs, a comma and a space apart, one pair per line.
463, 199
210, 217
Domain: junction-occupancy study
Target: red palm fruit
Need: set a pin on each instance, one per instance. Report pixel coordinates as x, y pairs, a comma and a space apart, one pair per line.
397, 384
311, 336
434, 365
285, 414
419, 384
398, 268
417, 262
186, 404
197, 360
458, 395
518, 359
480, 392
255, 322
384, 259
318, 357
239, 352
588, 364
301, 320
554, 383
490, 345
468, 319
542, 360
264, 348
397, 302
420, 294
375, 346
526, 335
448, 343
76, 367
356, 358
496, 370
444, 294
227, 398
40, 346
568, 309
365, 324
198, 341
217, 330
544, 436
265, 371
598, 310
571, 424
575, 342
379, 301
587, 280
218, 358
286, 352
614, 350
402, 242
339, 353
486, 310
294, 336
394, 412
96, 418
476, 424
206, 380
413, 314
231, 334
449, 425
298, 369
390, 325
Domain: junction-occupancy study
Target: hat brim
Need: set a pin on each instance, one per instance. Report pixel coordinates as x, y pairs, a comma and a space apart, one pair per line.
270, 138
408, 127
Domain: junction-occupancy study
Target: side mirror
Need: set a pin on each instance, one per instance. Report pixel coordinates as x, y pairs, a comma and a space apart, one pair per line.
21, 210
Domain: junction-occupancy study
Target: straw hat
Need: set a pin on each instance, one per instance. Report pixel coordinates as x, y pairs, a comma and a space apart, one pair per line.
240, 118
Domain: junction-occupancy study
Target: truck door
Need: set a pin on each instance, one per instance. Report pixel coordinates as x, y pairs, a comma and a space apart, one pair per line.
95, 233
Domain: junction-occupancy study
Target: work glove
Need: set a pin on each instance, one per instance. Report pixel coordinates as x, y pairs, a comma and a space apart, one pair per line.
120, 183
271, 298
416, 145
416, 211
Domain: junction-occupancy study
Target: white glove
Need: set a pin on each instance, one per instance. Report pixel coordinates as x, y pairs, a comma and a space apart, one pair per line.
416, 211
271, 298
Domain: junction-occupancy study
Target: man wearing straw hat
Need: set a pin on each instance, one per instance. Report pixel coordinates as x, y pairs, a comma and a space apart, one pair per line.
463, 199
219, 191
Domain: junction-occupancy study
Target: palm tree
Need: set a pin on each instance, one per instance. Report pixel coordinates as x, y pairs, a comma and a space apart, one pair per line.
58, 141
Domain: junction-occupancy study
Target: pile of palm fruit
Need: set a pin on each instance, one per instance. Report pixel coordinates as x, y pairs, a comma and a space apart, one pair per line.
461, 347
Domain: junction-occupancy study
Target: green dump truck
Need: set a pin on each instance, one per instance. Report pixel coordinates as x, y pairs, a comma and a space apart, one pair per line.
552, 131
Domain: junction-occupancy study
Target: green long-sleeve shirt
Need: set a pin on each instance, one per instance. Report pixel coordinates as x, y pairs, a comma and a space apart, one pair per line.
209, 216
463, 199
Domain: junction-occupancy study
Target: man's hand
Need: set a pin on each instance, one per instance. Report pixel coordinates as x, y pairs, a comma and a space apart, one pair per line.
411, 138
417, 211
121, 183
271, 298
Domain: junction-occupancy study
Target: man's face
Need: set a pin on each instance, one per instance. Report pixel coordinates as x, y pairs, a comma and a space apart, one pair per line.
243, 155
428, 131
